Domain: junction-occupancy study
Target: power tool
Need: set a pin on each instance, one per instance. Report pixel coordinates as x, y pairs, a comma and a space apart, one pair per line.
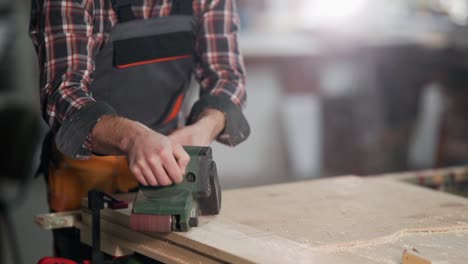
160, 209
177, 207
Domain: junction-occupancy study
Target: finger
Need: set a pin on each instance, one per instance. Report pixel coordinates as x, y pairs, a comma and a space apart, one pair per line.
163, 178
138, 175
170, 165
148, 174
182, 157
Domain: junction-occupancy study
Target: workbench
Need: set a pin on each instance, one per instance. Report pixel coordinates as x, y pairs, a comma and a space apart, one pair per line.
335, 220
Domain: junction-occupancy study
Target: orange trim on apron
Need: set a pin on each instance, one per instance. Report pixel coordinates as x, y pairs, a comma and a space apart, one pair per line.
152, 61
175, 110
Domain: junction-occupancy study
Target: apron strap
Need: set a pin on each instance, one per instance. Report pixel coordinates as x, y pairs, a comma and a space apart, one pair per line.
182, 7
123, 8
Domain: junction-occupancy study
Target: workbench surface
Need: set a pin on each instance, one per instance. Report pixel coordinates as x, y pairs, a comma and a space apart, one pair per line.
362, 219
339, 220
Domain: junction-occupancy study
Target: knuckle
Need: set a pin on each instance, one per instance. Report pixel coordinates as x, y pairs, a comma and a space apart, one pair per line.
140, 163
134, 169
159, 151
154, 159
166, 142
164, 150
166, 156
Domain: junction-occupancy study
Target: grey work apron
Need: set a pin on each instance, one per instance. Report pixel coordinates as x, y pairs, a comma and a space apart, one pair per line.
143, 73
145, 69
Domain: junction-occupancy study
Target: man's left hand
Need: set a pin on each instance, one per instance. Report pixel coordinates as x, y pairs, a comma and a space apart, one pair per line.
203, 132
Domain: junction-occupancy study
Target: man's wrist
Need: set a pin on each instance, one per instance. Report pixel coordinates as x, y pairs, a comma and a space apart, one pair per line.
114, 135
132, 131
213, 120
72, 139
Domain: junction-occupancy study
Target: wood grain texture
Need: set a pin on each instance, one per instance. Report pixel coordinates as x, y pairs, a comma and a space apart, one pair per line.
120, 241
338, 211
341, 220
117, 223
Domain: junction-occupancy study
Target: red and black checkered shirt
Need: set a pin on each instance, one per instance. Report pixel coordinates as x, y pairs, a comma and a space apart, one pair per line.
68, 34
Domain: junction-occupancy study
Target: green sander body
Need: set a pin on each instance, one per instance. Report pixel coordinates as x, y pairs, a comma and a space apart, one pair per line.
177, 207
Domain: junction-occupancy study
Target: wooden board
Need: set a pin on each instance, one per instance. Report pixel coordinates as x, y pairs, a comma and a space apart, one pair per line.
120, 241
341, 220
58, 220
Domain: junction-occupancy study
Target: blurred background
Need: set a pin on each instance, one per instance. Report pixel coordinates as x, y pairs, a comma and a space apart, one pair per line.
335, 87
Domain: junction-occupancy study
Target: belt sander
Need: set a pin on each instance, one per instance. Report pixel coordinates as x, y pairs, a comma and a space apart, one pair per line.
161, 209
177, 207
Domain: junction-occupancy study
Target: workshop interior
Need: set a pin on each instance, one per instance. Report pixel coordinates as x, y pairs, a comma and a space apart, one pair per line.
353, 105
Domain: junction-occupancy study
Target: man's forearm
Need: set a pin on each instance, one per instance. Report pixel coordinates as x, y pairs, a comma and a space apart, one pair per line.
112, 135
152, 157
203, 131
213, 120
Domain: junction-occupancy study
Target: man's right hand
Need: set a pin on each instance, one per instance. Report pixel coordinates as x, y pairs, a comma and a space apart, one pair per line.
153, 158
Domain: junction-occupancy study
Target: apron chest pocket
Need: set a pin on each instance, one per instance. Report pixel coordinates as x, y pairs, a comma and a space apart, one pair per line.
152, 49
145, 69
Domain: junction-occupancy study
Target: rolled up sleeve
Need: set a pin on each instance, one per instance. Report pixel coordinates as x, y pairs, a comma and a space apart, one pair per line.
62, 33
220, 70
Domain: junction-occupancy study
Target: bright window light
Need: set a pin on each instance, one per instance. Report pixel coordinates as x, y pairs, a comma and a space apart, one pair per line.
330, 12
458, 10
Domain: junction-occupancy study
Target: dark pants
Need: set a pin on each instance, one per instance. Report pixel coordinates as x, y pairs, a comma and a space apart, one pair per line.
67, 245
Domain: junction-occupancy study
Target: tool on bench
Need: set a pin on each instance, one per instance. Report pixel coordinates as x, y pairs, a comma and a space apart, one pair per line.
414, 257
177, 207
161, 209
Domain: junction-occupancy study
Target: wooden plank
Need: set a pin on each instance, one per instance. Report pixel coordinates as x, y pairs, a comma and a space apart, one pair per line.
273, 249
58, 220
117, 236
109, 244
114, 220
328, 220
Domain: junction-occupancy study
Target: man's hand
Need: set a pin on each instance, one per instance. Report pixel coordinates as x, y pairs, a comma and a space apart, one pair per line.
203, 132
154, 159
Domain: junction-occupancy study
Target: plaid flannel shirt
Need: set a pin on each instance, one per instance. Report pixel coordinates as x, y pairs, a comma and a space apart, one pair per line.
67, 35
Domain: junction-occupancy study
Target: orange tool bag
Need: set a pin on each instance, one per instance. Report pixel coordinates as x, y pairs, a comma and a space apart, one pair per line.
71, 180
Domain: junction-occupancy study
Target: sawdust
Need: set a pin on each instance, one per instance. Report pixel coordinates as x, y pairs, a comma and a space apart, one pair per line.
393, 238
